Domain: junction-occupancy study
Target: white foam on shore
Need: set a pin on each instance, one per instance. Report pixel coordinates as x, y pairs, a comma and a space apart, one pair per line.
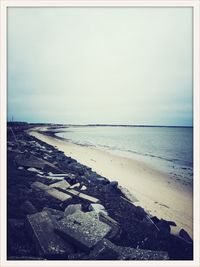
157, 192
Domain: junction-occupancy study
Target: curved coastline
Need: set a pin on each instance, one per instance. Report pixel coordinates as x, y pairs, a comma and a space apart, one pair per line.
157, 192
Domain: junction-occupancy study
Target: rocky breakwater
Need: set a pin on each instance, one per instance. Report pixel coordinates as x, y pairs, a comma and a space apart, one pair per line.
60, 209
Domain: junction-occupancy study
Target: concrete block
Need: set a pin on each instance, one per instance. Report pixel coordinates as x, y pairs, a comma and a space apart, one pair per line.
98, 208
70, 209
62, 184
57, 214
115, 228
27, 160
82, 230
51, 191
82, 196
48, 243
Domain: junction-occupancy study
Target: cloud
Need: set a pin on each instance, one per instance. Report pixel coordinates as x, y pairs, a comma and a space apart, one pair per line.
100, 65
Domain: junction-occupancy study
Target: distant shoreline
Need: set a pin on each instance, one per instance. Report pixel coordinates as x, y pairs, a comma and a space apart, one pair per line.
96, 125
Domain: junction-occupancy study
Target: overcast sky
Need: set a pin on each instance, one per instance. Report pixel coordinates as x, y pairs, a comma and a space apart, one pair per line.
100, 65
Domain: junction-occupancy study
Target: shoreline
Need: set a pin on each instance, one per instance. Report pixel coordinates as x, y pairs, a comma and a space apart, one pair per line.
157, 192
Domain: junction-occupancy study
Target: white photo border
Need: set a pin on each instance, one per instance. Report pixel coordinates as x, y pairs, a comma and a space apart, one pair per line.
4, 5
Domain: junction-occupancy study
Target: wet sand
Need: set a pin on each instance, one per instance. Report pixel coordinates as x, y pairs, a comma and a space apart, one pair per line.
157, 192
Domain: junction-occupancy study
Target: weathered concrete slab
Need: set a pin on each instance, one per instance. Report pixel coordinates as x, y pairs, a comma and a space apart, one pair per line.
34, 170
115, 228
62, 184
51, 191
48, 243
106, 250
75, 185
82, 196
66, 175
70, 209
50, 178
126, 253
73, 192
89, 198
82, 230
98, 208
38, 185
28, 160
57, 214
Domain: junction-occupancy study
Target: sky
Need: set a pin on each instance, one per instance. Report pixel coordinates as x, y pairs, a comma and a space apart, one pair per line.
100, 65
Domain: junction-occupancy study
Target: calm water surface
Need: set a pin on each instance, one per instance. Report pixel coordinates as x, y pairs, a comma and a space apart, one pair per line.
168, 149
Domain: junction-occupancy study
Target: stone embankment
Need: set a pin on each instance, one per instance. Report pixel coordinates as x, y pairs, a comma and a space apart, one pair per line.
60, 209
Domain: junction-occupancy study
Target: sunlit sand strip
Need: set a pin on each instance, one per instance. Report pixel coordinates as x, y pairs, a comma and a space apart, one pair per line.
158, 193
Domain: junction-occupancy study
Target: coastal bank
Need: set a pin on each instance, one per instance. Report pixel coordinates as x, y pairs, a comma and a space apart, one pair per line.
66, 210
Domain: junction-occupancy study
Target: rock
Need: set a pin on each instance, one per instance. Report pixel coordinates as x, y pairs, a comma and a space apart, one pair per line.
77, 256
126, 253
70, 209
51, 191
20, 168
104, 250
82, 230
50, 178
171, 223
185, 235
113, 185
115, 228
98, 208
28, 208
88, 198
128, 194
28, 160
65, 175
82, 196
57, 214
103, 180
163, 226
83, 187
34, 170
140, 212
75, 185
62, 184
155, 219
48, 243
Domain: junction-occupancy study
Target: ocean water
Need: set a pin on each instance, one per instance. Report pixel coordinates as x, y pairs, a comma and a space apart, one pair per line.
167, 149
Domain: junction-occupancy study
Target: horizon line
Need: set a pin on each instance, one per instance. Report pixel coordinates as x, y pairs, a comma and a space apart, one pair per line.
103, 124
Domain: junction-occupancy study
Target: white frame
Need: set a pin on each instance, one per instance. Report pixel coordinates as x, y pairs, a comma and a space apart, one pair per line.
195, 4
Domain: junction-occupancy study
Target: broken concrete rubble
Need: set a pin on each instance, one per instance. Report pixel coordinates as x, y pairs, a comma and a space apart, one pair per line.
82, 230
49, 244
62, 184
27, 160
51, 191
35, 170
82, 196
70, 209
106, 250
98, 208
130, 230
185, 236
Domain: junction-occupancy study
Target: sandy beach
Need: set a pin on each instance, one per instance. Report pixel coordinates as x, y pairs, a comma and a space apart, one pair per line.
158, 193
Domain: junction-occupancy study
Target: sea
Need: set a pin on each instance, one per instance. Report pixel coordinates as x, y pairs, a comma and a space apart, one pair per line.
166, 149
